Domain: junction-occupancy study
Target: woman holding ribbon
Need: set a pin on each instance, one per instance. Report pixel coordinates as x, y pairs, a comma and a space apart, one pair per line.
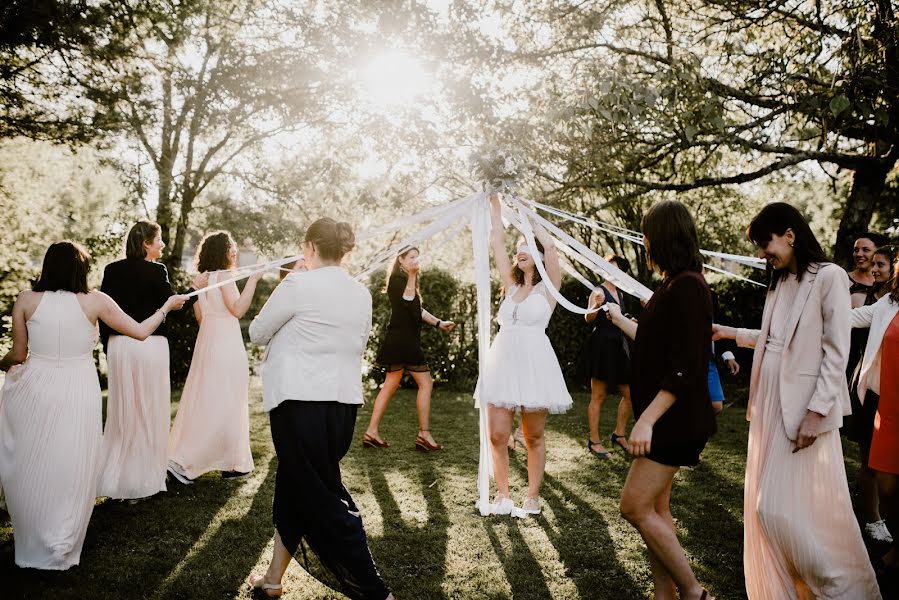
521, 371
211, 431
401, 350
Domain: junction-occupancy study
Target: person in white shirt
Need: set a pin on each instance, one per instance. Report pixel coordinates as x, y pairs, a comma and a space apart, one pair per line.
316, 324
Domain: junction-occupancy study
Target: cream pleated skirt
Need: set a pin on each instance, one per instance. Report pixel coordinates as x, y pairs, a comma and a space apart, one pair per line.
135, 441
50, 437
801, 538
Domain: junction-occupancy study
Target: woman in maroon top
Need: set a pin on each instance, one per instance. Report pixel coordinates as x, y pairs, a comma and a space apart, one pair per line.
669, 391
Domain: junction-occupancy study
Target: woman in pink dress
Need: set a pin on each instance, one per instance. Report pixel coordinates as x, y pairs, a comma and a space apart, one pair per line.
51, 414
801, 538
211, 431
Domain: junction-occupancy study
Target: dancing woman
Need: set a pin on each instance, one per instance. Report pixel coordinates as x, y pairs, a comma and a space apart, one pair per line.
135, 442
521, 371
316, 325
801, 539
51, 416
211, 431
669, 391
401, 350
606, 360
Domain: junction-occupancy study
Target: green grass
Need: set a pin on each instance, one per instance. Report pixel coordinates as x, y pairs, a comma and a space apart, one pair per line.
200, 541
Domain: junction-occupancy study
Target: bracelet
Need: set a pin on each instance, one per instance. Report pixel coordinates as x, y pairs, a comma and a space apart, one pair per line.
438, 323
162, 312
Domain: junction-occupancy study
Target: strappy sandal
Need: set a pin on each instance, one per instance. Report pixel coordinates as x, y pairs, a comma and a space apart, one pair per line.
369, 441
591, 443
616, 440
257, 584
422, 444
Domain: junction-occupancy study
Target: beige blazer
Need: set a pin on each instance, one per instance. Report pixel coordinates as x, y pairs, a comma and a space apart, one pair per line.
878, 317
813, 365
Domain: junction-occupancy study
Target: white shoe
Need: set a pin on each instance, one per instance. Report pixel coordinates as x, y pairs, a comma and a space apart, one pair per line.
180, 477
502, 506
531, 506
878, 531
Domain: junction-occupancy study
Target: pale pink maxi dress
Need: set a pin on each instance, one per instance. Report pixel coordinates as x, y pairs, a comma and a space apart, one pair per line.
50, 435
801, 538
212, 429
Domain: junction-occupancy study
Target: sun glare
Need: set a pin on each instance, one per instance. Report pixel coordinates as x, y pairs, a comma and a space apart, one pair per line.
394, 78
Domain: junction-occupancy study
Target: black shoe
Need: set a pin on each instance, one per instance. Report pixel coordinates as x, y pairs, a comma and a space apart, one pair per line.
177, 476
234, 474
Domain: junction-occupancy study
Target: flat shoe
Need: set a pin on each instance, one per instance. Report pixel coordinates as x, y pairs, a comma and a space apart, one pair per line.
529, 507
502, 506
257, 583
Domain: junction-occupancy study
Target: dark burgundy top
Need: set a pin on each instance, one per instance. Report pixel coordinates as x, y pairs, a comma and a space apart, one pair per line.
672, 352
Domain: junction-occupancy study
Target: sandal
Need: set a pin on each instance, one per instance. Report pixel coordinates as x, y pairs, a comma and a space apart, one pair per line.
616, 441
369, 441
257, 582
421, 443
591, 443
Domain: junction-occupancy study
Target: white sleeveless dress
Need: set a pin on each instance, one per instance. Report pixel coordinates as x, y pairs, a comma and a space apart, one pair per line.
50, 435
522, 371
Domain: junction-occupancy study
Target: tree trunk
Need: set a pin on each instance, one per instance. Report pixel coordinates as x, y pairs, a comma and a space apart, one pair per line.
868, 184
164, 206
187, 203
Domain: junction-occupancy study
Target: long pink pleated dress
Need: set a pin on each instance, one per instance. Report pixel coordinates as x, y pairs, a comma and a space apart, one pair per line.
51, 426
211, 431
801, 538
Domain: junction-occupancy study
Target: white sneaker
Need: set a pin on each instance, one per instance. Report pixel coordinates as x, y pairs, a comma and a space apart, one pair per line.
502, 506
878, 531
531, 506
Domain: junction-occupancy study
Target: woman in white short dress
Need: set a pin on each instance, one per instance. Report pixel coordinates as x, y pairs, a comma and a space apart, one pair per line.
521, 371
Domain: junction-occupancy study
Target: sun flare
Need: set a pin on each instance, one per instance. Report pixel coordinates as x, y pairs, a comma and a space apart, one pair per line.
393, 78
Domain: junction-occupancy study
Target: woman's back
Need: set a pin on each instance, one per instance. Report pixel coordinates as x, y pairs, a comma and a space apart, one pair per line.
59, 329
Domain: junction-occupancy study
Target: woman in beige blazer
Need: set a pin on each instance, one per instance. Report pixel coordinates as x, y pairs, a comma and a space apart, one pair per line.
801, 539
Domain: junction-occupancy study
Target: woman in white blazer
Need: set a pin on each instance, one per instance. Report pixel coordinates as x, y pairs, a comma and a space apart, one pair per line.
316, 324
801, 539
880, 376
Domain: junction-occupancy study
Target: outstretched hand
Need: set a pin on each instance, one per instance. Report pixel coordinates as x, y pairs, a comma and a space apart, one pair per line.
723, 332
447, 325
200, 281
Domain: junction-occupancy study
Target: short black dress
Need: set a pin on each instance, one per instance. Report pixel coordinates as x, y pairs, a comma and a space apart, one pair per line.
605, 355
401, 346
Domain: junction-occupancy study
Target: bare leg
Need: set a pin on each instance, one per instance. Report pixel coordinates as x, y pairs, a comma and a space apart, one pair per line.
423, 403
594, 409
647, 484
532, 425
388, 388
624, 412
499, 422
663, 584
280, 560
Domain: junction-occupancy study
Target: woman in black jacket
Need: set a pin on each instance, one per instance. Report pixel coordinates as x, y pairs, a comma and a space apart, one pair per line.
401, 350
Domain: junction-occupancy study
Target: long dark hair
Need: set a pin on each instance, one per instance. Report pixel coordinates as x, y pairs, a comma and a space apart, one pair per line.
214, 252
396, 267
673, 241
331, 239
775, 219
518, 274
65, 268
142, 231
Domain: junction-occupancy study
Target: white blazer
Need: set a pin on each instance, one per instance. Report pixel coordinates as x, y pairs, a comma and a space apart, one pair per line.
316, 324
878, 317
813, 363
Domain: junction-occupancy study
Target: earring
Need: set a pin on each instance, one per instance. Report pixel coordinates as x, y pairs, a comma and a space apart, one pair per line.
791, 244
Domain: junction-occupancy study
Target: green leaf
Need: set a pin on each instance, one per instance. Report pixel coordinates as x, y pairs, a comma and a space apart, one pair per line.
690, 131
839, 104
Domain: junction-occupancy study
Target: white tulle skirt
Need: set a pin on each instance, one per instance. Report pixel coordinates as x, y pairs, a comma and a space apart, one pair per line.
50, 432
135, 442
522, 372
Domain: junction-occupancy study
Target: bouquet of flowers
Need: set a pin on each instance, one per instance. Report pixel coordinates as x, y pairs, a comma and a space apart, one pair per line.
497, 169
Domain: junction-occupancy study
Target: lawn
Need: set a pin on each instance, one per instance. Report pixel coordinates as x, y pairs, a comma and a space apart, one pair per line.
200, 541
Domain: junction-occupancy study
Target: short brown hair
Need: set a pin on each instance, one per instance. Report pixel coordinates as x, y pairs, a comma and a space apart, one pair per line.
65, 268
673, 241
142, 231
331, 239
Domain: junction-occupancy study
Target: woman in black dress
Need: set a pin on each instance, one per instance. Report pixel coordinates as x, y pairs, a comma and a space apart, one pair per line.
401, 350
673, 412
606, 360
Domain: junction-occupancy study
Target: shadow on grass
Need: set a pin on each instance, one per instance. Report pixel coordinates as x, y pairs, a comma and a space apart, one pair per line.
411, 556
523, 571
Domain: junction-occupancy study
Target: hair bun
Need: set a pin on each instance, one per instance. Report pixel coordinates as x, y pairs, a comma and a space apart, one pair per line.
346, 239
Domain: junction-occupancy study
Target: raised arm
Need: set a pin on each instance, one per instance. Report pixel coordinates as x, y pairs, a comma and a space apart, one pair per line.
19, 351
550, 254
861, 317
745, 338
278, 310
239, 303
497, 243
597, 298
111, 314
